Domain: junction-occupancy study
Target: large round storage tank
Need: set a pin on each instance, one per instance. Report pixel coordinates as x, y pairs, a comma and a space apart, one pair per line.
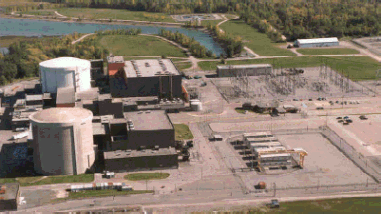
196, 105
62, 141
65, 72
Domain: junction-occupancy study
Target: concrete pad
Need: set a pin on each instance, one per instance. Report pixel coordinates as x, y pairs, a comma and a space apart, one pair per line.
324, 165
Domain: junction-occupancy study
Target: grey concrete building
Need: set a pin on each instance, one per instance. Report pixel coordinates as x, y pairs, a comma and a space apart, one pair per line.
133, 160
63, 141
140, 78
244, 70
142, 130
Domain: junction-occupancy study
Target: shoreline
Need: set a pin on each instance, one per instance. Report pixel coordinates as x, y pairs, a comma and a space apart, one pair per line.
93, 21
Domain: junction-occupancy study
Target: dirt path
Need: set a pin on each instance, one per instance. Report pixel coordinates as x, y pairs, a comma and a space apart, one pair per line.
82, 37
293, 50
60, 15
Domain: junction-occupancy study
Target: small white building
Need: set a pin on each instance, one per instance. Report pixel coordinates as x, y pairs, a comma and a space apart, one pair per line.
318, 42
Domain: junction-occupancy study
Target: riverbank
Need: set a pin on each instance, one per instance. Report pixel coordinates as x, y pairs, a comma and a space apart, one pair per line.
92, 21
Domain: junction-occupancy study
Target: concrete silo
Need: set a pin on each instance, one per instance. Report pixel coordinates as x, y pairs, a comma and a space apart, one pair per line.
65, 72
63, 141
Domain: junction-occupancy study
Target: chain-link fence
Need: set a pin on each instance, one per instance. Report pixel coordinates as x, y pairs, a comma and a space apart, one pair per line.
358, 159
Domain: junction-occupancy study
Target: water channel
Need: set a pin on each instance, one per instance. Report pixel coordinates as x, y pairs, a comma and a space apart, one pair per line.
30, 27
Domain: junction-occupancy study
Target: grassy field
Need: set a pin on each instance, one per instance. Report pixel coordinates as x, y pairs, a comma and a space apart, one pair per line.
342, 205
146, 176
182, 132
32, 181
38, 12
124, 45
213, 22
358, 68
327, 51
256, 41
182, 66
102, 193
92, 13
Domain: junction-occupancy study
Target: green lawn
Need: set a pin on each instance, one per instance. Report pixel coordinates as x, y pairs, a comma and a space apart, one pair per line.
342, 205
359, 68
327, 51
124, 45
146, 176
241, 111
213, 22
92, 13
182, 132
38, 12
256, 41
102, 193
183, 65
32, 181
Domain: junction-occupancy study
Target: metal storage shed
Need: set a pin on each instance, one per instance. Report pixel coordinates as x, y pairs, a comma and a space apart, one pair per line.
317, 42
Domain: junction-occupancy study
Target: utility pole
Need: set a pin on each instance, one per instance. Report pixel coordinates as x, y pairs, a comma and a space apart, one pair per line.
274, 189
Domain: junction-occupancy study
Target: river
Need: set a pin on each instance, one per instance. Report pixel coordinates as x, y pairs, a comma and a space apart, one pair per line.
31, 27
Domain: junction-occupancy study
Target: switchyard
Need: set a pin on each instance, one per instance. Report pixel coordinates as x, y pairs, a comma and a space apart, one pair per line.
300, 83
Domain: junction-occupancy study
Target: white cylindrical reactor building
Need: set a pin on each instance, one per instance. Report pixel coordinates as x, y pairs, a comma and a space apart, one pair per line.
63, 141
65, 72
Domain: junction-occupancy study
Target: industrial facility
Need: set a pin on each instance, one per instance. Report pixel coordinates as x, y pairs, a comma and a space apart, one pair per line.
65, 72
269, 152
244, 70
63, 141
318, 42
131, 143
140, 78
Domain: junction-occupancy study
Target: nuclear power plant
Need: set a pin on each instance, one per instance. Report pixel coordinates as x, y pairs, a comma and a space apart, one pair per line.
63, 141
73, 123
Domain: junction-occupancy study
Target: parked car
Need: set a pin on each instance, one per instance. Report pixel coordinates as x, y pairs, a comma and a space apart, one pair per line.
295, 99
319, 108
274, 203
345, 123
349, 121
346, 118
363, 117
310, 99
197, 77
340, 121
339, 118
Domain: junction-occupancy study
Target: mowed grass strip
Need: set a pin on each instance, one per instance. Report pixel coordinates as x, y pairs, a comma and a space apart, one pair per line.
358, 68
38, 12
182, 132
342, 205
93, 13
33, 181
146, 176
103, 193
253, 39
125, 45
327, 51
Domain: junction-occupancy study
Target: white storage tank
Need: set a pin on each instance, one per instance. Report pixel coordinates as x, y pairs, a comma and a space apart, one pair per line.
63, 141
196, 105
65, 72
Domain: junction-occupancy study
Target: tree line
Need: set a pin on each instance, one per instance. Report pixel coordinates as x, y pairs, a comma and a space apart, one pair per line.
232, 45
310, 19
24, 56
194, 47
132, 31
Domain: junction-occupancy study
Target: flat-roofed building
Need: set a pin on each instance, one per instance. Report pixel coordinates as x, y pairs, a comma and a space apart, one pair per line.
317, 42
135, 160
244, 70
148, 77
